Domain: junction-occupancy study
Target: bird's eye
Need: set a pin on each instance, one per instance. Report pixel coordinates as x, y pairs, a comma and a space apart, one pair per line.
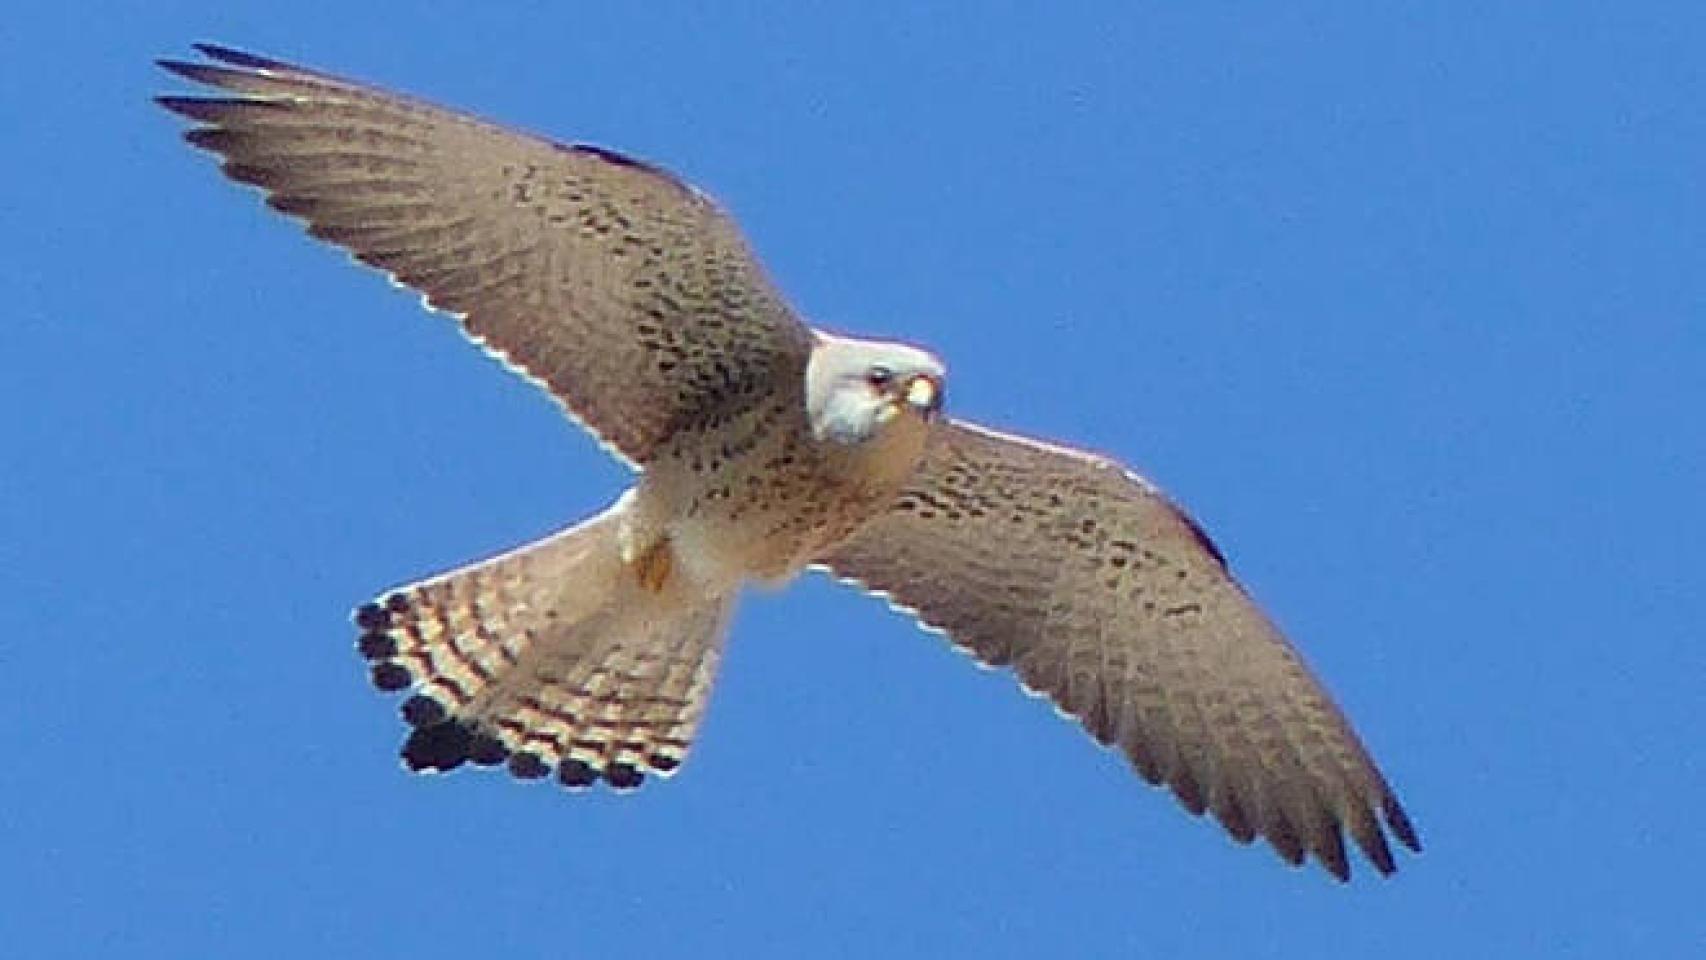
879, 377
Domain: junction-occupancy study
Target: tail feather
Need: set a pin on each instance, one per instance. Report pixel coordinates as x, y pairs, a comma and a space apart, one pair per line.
554, 658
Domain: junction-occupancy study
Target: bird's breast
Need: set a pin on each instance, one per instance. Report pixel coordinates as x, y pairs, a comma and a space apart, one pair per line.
758, 497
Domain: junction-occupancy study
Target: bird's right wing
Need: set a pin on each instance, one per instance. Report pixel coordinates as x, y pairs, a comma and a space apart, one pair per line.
1101, 594
626, 292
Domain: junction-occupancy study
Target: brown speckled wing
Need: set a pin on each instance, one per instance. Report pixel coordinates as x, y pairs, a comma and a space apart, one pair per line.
1102, 595
626, 292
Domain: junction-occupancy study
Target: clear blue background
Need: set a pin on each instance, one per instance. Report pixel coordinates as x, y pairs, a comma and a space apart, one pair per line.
1406, 304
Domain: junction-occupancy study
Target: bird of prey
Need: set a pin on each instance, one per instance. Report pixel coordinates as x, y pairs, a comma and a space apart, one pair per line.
763, 447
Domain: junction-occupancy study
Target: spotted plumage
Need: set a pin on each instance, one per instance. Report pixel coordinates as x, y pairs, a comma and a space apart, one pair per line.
763, 447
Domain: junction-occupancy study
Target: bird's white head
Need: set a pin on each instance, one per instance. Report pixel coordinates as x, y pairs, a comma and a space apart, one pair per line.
856, 389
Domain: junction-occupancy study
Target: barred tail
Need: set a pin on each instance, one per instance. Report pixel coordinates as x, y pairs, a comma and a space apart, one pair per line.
554, 658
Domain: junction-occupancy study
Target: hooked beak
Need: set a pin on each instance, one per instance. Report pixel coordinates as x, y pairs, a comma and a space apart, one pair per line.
924, 393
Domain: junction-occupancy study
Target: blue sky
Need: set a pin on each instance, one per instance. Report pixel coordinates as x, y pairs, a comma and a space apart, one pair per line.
1407, 306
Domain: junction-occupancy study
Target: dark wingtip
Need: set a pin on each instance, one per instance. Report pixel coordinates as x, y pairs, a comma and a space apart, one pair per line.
1371, 840
215, 109
1399, 822
182, 68
1339, 868
1331, 854
1380, 855
192, 108
239, 58
209, 74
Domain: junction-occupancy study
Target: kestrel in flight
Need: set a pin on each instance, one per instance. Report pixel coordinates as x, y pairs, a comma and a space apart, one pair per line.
763, 447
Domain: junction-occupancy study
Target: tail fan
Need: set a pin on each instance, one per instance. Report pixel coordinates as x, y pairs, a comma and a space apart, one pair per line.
552, 659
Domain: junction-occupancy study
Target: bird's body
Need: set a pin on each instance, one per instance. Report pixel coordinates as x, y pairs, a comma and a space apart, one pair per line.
763, 447
757, 494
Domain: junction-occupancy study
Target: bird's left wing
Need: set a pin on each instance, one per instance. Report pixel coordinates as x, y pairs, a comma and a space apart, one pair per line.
1102, 595
630, 295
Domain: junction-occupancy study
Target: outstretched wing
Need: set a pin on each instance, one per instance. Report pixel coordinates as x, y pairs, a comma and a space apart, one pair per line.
626, 292
1104, 596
